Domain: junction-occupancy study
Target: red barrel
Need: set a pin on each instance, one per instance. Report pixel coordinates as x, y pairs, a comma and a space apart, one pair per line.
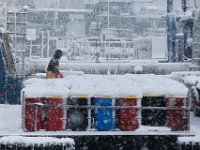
33, 114
54, 114
177, 119
127, 117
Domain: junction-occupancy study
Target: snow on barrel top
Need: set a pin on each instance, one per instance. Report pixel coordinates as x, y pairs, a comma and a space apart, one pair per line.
105, 86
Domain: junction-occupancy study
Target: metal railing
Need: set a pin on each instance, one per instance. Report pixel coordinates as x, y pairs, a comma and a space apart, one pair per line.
90, 117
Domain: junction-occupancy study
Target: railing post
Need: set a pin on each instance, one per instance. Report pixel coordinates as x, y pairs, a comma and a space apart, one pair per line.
139, 112
89, 114
23, 115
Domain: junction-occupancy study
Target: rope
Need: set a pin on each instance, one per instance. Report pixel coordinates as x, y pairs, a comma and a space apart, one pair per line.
10, 88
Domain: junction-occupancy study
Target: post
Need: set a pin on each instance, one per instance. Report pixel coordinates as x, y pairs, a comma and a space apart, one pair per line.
42, 44
15, 38
139, 111
108, 13
23, 116
48, 36
171, 31
108, 57
31, 45
23, 66
5, 15
89, 114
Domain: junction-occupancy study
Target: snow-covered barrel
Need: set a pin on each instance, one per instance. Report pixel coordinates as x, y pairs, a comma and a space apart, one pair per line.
42, 105
104, 117
54, 113
128, 118
43, 113
154, 115
53, 104
155, 90
77, 118
33, 119
177, 119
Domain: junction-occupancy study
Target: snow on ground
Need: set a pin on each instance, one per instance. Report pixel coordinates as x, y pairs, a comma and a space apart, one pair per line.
29, 141
10, 119
11, 129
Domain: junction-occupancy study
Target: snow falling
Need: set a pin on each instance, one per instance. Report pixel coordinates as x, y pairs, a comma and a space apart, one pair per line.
99, 74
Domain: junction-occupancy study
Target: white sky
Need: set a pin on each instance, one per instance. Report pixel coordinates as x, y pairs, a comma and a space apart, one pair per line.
43, 3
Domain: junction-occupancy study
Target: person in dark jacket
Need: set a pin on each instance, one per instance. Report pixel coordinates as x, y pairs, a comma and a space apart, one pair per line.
53, 67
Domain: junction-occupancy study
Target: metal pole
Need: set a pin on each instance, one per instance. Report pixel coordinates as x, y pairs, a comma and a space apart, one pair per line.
15, 36
105, 51
5, 15
31, 45
65, 115
48, 35
23, 116
171, 31
108, 13
108, 57
139, 100
42, 44
23, 66
185, 34
113, 110
89, 115
6, 85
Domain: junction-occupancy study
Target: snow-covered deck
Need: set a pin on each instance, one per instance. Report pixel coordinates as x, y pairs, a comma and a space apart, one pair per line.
11, 125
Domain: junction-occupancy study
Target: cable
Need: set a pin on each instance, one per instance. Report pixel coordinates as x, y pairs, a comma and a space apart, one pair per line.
149, 1
6, 91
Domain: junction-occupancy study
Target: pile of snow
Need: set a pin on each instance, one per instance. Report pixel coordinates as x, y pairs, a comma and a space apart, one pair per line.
186, 73
192, 80
105, 85
187, 15
138, 69
143, 61
187, 140
31, 141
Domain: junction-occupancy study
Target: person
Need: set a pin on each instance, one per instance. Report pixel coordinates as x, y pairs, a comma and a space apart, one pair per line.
53, 67
97, 56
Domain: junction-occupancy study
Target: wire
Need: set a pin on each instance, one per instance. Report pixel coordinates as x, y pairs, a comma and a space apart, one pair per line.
149, 1
6, 91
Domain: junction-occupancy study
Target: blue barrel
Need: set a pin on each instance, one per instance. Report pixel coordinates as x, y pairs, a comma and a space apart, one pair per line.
104, 117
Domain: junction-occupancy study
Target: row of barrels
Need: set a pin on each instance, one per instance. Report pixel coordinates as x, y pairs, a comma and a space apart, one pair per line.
54, 114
